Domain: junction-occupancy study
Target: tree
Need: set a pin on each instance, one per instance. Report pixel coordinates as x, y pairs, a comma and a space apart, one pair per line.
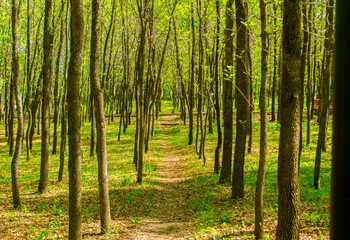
217, 87
16, 87
74, 118
288, 186
225, 174
259, 195
191, 84
242, 99
140, 65
57, 98
326, 73
97, 92
47, 72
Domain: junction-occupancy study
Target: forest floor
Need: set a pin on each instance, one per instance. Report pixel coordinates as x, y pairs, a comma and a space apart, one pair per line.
179, 197
171, 217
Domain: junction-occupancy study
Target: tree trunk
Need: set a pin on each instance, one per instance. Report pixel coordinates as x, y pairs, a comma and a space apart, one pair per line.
47, 70
92, 126
11, 137
191, 87
29, 80
323, 115
97, 92
16, 87
302, 76
74, 119
142, 8
274, 79
242, 99
57, 72
260, 182
288, 186
308, 84
225, 174
217, 87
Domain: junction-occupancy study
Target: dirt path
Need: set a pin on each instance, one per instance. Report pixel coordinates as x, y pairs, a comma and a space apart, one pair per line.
170, 216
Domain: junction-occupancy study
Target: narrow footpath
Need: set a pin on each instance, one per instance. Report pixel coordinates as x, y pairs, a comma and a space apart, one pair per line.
170, 216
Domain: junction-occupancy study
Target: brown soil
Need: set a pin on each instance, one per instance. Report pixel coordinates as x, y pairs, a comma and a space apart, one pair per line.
170, 217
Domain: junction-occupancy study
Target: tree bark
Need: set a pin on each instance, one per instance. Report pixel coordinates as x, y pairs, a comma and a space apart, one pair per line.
217, 87
242, 99
302, 75
16, 87
225, 174
57, 73
47, 74
260, 182
74, 119
274, 79
97, 92
326, 73
191, 87
288, 185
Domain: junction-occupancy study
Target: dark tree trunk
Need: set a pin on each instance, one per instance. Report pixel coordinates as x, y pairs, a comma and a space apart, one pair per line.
302, 76
57, 72
323, 115
260, 182
16, 88
92, 126
217, 87
225, 174
288, 185
191, 87
11, 137
29, 80
242, 100
274, 79
143, 11
74, 119
308, 84
47, 70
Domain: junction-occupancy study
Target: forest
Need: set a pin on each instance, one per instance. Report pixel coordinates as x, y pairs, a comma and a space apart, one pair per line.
166, 119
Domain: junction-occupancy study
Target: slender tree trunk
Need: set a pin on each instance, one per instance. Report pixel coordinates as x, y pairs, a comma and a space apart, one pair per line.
242, 99
225, 174
47, 70
328, 51
11, 137
302, 76
74, 119
260, 182
288, 186
64, 103
308, 84
29, 80
217, 87
57, 73
274, 79
191, 87
92, 126
16, 87
142, 8
105, 212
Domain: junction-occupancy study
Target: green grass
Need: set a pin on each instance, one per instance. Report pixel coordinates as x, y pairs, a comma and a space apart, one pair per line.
213, 203
216, 215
